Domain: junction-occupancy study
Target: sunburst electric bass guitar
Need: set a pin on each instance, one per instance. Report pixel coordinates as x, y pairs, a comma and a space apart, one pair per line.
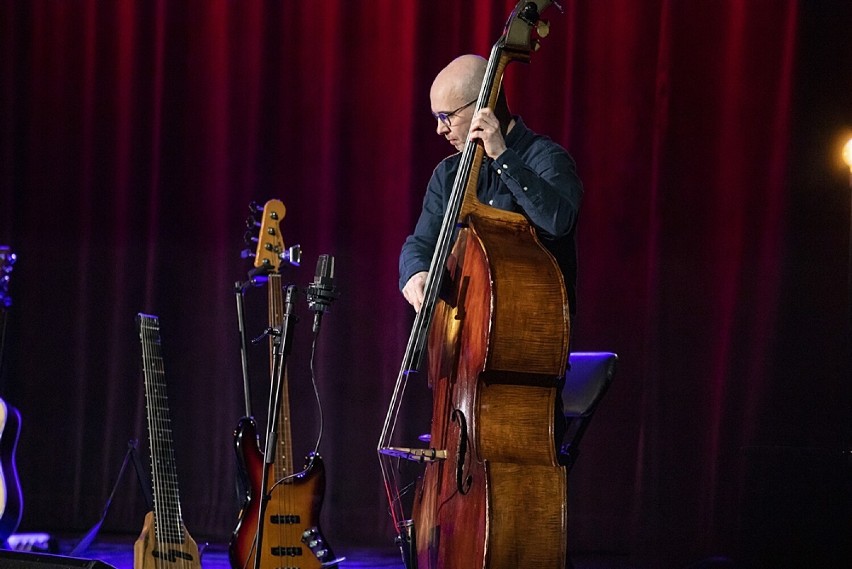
291, 535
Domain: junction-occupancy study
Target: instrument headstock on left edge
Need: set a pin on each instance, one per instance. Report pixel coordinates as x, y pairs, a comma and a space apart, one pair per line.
7, 260
518, 33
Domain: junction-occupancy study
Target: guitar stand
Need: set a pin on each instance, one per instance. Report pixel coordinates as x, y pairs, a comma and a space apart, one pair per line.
87, 540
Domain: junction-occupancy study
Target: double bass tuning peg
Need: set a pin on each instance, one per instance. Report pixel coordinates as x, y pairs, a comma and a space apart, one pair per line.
542, 28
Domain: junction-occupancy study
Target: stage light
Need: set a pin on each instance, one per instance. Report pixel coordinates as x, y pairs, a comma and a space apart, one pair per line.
847, 154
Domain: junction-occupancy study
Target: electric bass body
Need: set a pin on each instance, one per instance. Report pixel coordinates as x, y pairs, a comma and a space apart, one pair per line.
291, 534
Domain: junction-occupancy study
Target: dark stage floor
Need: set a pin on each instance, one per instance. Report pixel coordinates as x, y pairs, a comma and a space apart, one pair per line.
117, 552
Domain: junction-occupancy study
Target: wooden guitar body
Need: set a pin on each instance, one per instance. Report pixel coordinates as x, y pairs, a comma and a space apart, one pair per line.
11, 497
148, 553
291, 534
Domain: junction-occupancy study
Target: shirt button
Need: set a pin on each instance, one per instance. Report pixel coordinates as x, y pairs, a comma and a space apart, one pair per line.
490, 202
499, 171
505, 166
525, 188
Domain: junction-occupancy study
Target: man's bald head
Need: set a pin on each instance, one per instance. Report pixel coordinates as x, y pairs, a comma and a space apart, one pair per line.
454, 90
460, 80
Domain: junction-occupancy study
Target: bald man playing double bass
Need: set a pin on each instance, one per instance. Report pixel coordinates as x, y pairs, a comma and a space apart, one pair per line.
523, 172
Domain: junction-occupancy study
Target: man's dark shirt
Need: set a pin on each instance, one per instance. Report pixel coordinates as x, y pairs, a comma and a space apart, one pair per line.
534, 176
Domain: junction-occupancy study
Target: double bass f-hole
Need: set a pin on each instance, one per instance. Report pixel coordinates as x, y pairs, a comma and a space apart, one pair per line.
463, 484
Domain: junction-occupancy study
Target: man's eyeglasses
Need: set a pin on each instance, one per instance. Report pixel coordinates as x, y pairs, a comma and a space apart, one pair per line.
446, 118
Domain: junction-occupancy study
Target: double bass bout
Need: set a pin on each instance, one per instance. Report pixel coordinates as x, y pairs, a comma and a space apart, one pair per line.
499, 498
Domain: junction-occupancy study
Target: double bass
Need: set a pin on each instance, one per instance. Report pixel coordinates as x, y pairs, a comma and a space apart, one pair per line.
495, 325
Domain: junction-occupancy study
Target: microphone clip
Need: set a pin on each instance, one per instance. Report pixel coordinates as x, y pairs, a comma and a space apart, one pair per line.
322, 292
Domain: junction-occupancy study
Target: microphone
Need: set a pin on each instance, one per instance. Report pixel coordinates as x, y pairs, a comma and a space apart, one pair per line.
321, 293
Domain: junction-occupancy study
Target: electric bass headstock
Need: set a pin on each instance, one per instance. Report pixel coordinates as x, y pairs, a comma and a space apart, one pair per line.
270, 250
7, 260
518, 33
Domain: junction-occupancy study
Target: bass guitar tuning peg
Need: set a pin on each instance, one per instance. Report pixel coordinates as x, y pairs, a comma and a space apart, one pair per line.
249, 238
246, 254
252, 223
255, 207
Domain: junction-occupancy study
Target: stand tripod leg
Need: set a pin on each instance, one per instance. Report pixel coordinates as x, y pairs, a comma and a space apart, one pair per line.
87, 540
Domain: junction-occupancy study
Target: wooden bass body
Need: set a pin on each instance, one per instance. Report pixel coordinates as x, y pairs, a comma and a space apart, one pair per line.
496, 350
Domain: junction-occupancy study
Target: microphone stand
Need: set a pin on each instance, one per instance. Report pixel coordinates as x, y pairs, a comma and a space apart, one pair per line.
281, 347
239, 292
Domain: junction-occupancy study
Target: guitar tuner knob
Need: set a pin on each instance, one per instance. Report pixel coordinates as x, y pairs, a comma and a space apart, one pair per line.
252, 223
255, 207
249, 238
246, 254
